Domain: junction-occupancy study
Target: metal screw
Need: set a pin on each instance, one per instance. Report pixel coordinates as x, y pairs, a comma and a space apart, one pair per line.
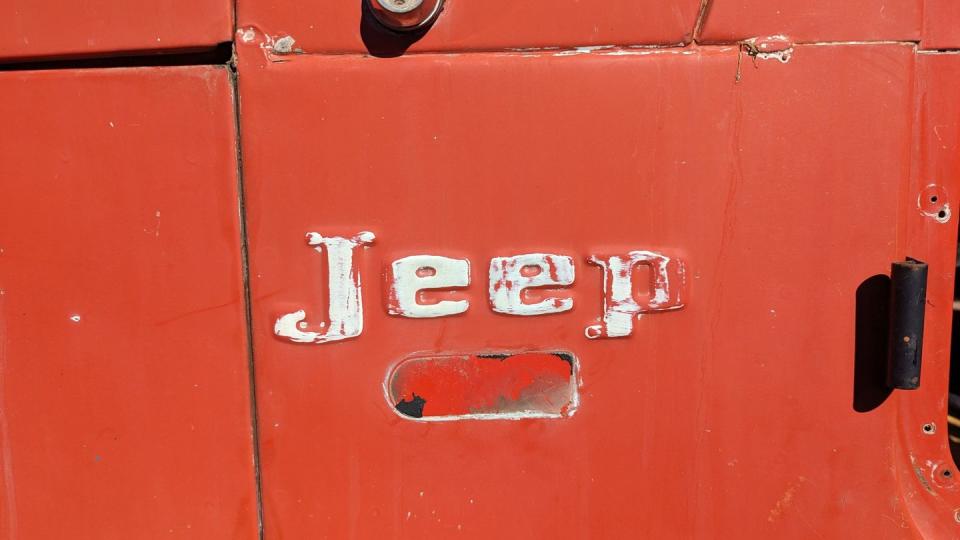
400, 6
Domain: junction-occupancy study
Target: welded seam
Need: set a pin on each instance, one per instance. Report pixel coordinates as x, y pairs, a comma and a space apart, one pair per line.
247, 296
600, 50
214, 56
701, 20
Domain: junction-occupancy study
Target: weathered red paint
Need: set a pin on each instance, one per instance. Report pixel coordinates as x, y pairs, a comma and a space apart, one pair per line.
124, 398
501, 384
470, 25
784, 182
941, 24
786, 153
56, 28
814, 20
927, 475
933, 23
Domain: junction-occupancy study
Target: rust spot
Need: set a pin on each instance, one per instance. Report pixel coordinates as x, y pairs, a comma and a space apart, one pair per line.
923, 481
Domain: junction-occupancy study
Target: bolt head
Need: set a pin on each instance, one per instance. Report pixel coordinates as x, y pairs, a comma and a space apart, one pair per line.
400, 6
405, 15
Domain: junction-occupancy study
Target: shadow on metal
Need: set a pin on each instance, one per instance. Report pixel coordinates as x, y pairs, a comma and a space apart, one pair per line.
870, 356
382, 42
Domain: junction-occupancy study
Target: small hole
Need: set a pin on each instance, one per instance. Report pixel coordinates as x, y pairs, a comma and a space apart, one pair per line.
530, 270
426, 271
929, 428
942, 214
947, 473
933, 198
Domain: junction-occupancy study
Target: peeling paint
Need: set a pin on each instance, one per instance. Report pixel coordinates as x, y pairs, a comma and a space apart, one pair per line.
776, 47
584, 50
345, 305
247, 35
275, 47
410, 275
283, 45
508, 283
485, 385
619, 304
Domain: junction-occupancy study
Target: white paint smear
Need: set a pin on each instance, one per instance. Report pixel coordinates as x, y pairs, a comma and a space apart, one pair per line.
619, 304
507, 283
416, 273
345, 305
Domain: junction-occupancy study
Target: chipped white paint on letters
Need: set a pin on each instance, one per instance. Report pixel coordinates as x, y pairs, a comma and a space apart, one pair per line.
406, 283
507, 283
619, 305
345, 307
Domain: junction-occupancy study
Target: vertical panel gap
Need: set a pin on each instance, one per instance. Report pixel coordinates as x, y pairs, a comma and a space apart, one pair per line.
247, 298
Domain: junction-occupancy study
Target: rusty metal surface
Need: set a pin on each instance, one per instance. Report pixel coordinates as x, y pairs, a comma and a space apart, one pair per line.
124, 399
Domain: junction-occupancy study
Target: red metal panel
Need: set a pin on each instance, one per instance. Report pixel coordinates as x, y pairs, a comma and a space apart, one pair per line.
813, 20
927, 472
782, 186
57, 28
340, 26
941, 24
124, 399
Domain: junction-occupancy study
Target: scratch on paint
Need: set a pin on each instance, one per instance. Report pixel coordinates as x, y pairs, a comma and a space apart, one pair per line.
785, 500
919, 473
9, 493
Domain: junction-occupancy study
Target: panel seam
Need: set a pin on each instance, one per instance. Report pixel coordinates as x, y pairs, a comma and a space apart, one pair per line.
247, 296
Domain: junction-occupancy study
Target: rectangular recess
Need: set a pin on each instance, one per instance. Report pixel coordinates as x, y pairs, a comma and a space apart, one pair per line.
484, 386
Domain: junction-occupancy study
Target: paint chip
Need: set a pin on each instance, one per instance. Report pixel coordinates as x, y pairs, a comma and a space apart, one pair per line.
284, 45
